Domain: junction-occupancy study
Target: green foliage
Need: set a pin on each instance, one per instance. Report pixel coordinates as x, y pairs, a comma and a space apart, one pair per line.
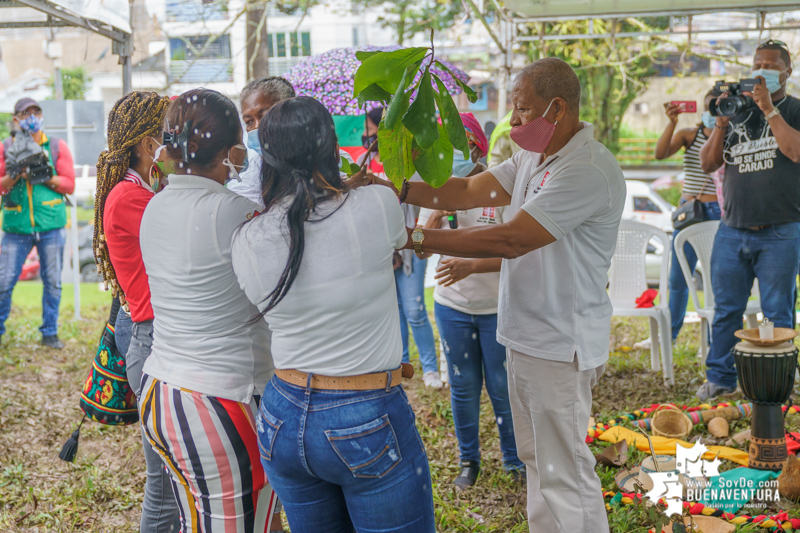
410, 17
612, 72
5, 125
347, 167
409, 136
672, 194
74, 82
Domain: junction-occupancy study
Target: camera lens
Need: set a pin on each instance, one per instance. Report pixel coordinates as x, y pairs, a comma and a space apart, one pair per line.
730, 106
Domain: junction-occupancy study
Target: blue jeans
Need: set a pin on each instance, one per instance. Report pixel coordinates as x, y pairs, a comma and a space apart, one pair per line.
345, 460
14, 249
160, 509
678, 289
740, 255
411, 301
474, 355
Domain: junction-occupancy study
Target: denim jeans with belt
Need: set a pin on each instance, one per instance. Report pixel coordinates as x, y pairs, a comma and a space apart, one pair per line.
14, 249
411, 301
345, 460
771, 255
678, 289
474, 356
159, 510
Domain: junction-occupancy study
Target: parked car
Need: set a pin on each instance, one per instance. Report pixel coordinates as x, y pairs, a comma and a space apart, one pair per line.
643, 204
88, 267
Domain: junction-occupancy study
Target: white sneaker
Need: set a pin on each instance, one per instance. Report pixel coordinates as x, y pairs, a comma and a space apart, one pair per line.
646, 344
432, 379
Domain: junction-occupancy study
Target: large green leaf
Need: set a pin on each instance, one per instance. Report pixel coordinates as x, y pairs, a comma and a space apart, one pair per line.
399, 103
451, 119
420, 119
395, 150
471, 96
386, 69
363, 55
435, 164
373, 93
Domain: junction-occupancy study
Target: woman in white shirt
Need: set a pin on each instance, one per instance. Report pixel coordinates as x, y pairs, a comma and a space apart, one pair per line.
466, 315
209, 360
336, 431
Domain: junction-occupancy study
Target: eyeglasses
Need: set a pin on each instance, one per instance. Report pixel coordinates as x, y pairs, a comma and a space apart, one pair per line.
773, 42
30, 111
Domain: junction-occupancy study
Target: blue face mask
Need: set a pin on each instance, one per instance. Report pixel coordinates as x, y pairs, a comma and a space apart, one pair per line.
253, 142
462, 167
31, 123
708, 120
771, 77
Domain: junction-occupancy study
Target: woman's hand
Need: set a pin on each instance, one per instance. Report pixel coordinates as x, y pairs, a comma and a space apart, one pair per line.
359, 179
435, 220
453, 269
672, 112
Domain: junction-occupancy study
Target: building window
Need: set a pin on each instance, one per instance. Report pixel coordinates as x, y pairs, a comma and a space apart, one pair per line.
193, 59
641, 108
286, 49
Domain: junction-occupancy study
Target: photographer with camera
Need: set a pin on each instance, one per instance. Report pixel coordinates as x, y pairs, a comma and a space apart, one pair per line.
756, 136
34, 212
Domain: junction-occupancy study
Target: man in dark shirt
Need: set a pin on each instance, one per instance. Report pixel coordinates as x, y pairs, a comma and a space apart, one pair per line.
759, 236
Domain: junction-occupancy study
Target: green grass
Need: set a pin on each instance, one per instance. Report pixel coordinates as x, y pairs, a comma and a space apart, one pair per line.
102, 490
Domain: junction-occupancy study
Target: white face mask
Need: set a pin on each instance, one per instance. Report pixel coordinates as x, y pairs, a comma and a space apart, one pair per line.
235, 170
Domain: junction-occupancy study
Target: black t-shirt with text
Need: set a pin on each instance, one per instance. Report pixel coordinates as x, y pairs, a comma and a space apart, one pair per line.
761, 185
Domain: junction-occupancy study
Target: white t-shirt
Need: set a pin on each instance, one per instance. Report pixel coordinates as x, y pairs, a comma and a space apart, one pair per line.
340, 316
204, 338
553, 301
476, 294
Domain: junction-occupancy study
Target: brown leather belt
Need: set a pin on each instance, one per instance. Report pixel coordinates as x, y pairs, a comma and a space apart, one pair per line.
759, 228
373, 381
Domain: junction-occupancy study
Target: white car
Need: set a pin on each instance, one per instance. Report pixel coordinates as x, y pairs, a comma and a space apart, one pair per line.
645, 205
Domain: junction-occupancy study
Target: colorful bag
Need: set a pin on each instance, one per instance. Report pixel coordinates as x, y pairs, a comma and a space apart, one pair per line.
107, 397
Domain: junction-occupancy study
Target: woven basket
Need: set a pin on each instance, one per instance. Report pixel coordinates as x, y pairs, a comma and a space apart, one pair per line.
671, 422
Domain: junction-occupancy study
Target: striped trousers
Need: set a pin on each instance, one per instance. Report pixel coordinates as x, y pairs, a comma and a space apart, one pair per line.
210, 448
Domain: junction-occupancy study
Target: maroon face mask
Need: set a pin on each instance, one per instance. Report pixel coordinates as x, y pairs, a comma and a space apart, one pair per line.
535, 135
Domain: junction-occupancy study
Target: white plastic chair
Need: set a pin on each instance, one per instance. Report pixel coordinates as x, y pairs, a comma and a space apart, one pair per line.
701, 238
628, 280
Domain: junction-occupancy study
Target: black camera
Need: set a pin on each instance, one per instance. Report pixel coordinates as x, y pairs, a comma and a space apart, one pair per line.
735, 102
25, 155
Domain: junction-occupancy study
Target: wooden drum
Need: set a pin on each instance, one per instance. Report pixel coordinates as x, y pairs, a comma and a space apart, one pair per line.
766, 376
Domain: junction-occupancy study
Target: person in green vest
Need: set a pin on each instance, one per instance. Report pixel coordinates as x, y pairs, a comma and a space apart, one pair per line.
501, 147
35, 215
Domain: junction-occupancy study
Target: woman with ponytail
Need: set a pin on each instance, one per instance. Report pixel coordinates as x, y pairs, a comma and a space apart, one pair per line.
336, 431
210, 360
127, 177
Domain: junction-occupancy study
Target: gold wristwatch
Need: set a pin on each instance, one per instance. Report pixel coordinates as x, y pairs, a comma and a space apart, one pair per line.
417, 236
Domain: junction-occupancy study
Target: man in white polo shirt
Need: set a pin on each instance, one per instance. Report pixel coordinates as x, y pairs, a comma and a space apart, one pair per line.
566, 193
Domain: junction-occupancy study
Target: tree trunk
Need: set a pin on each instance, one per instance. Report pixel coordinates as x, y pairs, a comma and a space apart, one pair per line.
260, 66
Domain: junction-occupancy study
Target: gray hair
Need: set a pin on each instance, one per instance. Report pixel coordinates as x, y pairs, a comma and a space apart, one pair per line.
551, 77
274, 88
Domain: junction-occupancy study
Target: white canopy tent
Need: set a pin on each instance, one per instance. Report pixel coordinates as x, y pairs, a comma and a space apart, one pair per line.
518, 12
109, 18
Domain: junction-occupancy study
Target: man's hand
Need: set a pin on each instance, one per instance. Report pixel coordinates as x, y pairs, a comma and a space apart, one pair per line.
453, 269
53, 182
761, 96
359, 179
672, 113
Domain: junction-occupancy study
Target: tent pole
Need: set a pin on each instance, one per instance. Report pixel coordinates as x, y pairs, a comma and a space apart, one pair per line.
125, 56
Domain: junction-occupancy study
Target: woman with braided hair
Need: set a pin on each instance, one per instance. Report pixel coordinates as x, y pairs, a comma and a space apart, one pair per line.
127, 177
